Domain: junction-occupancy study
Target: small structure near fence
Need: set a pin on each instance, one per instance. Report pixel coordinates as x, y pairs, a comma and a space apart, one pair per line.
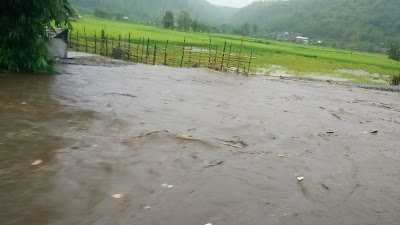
141, 51
58, 42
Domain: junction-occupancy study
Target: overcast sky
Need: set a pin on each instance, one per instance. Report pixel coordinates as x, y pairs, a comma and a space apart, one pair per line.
232, 3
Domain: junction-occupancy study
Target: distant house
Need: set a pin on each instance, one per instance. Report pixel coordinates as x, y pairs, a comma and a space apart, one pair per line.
125, 18
303, 40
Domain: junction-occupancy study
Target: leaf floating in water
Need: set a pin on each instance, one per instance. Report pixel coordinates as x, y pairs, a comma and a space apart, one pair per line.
118, 196
36, 162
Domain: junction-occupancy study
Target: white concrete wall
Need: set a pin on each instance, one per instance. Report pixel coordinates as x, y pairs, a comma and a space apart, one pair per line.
58, 48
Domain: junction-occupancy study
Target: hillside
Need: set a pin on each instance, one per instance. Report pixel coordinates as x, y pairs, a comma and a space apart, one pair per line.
351, 21
145, 10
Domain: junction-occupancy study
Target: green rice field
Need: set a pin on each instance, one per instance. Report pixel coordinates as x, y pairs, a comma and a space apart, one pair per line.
272, 57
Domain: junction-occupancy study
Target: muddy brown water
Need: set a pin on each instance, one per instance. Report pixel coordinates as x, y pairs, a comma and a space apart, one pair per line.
102, 131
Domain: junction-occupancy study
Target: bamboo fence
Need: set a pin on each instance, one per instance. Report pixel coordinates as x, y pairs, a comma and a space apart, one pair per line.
142, 51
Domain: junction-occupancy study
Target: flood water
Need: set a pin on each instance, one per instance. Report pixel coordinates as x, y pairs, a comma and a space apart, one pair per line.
192, 146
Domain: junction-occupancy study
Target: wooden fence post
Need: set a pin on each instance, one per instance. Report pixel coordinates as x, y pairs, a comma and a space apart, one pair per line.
209, 55
129, 50
173, 59
112, 46
102, 41
119, 46
107, 45
141, 57
229, 56
137, 50
201, 52
86, 42
190, 55
155, 54
70, 38
124, 42
147, 49
223, 56
248, 68
95, 43
165, 56
240, 53
215, 58
183, 50
77, 40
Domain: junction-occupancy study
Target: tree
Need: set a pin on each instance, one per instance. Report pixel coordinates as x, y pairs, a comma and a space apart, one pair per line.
195, 25
246, 28
102, 14
118, 16
74, 12
23, 40
394, 51
184, 21
202, 27
168, 19
255, 29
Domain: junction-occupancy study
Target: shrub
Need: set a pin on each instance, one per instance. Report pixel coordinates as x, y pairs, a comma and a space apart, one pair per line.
394, 51
22, 34
395, 80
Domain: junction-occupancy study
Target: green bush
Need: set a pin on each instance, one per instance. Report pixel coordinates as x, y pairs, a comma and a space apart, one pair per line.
394, 51
395, 80
23, 43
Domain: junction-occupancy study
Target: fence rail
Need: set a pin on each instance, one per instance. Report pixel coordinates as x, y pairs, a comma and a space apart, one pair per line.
141, 51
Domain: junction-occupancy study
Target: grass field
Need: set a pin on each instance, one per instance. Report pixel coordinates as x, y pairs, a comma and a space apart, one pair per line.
297, 59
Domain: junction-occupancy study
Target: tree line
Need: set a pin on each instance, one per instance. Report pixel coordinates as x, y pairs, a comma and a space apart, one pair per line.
183, 22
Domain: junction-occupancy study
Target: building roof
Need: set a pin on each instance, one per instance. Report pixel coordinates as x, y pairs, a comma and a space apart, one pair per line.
54, 33
302, 38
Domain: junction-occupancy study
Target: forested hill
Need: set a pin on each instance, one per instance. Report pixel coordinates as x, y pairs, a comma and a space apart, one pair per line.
347, 20
145, 10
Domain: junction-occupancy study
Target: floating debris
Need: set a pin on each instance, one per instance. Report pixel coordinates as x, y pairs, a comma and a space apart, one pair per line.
147, 207
207, 164
284, 155
300, 178
118, 196
165, 185
36, 162
326, 187
184, 136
